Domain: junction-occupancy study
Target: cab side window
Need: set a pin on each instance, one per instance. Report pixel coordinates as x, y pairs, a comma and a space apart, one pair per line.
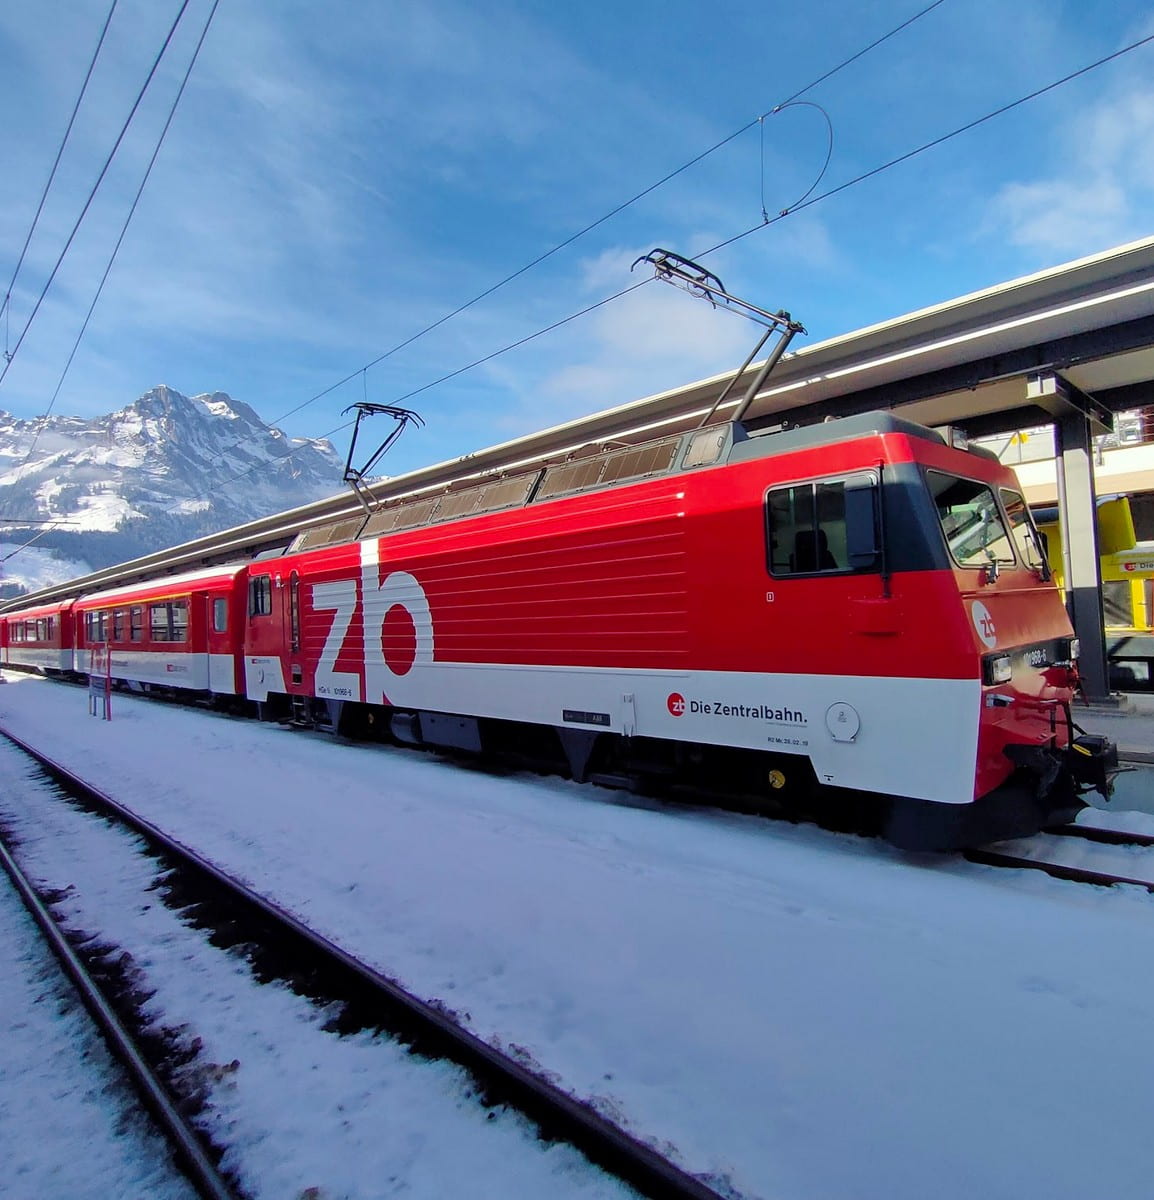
807, 529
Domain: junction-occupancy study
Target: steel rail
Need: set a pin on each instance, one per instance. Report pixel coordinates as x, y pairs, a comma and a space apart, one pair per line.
995, 858
1106, 837
184, 1140
427, 1030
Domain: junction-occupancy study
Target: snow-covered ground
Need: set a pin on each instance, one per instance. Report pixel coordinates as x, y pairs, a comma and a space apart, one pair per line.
69, 1125
362, 1118
802, 1014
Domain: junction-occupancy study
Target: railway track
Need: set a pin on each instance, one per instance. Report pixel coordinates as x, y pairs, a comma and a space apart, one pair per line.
279, 946
1106, 857
195, 1159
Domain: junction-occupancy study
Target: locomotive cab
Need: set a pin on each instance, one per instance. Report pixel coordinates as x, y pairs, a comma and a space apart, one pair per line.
1033, 764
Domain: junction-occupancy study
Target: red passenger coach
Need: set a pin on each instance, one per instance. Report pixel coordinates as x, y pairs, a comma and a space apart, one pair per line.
183, 632
38, 638
858, 605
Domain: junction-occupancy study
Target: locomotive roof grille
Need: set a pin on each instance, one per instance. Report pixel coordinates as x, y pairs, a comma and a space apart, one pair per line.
613, 466
605, 467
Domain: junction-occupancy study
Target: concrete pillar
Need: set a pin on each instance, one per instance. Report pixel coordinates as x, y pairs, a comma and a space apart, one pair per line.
1077, 507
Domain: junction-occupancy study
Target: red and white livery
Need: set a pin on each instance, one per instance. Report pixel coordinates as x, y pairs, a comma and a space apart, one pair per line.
39, 638
860, 596
858, 607
182, 632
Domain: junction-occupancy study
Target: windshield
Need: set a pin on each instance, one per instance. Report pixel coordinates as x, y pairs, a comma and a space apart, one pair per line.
1026, 536
971, 521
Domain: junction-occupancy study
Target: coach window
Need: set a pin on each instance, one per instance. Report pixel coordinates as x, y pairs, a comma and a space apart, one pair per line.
259, 596
971, 521
158, 623
178, 620
51, 627
220, 614
118, 625
807, 528
136, 625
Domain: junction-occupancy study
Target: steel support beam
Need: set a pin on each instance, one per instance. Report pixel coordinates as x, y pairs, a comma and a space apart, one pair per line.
1050, 357
1078, 515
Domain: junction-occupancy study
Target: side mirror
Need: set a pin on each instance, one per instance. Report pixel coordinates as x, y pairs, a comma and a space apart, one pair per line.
1044, 546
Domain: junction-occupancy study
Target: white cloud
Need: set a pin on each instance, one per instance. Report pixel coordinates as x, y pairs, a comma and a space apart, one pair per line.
1101, 194
646, 342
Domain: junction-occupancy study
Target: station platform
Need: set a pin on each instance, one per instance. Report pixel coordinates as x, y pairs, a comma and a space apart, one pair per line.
1130, 724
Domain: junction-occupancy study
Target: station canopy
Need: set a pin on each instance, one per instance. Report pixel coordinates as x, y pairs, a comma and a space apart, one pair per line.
1073, 341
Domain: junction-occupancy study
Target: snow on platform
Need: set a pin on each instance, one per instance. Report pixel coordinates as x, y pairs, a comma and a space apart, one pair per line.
805, 1014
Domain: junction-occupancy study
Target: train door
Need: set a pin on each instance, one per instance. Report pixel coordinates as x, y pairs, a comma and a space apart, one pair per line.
221, 639
291, 601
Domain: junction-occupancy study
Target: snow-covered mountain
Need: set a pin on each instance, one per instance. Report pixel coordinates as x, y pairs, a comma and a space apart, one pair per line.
165, 469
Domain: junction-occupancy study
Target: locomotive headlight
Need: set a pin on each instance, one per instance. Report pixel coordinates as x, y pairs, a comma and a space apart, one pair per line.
1075, 649
997, 668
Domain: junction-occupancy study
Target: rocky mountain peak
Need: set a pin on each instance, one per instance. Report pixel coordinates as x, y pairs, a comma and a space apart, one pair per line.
163, 469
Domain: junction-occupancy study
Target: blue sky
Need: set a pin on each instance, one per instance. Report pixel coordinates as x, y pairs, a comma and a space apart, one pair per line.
340, 175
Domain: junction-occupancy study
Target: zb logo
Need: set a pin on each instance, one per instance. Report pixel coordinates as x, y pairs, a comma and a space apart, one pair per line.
676, 703
984, 624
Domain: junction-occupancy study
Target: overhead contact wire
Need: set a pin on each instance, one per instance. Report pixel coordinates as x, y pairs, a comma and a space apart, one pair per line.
938, 141
806, 203
108, 269
127, 220
863, 51
527, 267
803, 204
55, 165
595, 224
92, 193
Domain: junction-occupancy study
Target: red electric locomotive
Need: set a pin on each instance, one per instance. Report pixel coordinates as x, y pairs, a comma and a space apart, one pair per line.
183, 632
858, 604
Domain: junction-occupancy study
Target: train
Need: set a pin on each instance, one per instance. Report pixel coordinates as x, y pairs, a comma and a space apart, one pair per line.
1126, 565
859, 610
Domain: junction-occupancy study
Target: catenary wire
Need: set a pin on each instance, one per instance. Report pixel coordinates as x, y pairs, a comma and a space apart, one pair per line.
739, 236
863, 51
803, 204
938, 141
92, 193
6, 304
824, 166
527, 267
600, 220
753, 229
123, 232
